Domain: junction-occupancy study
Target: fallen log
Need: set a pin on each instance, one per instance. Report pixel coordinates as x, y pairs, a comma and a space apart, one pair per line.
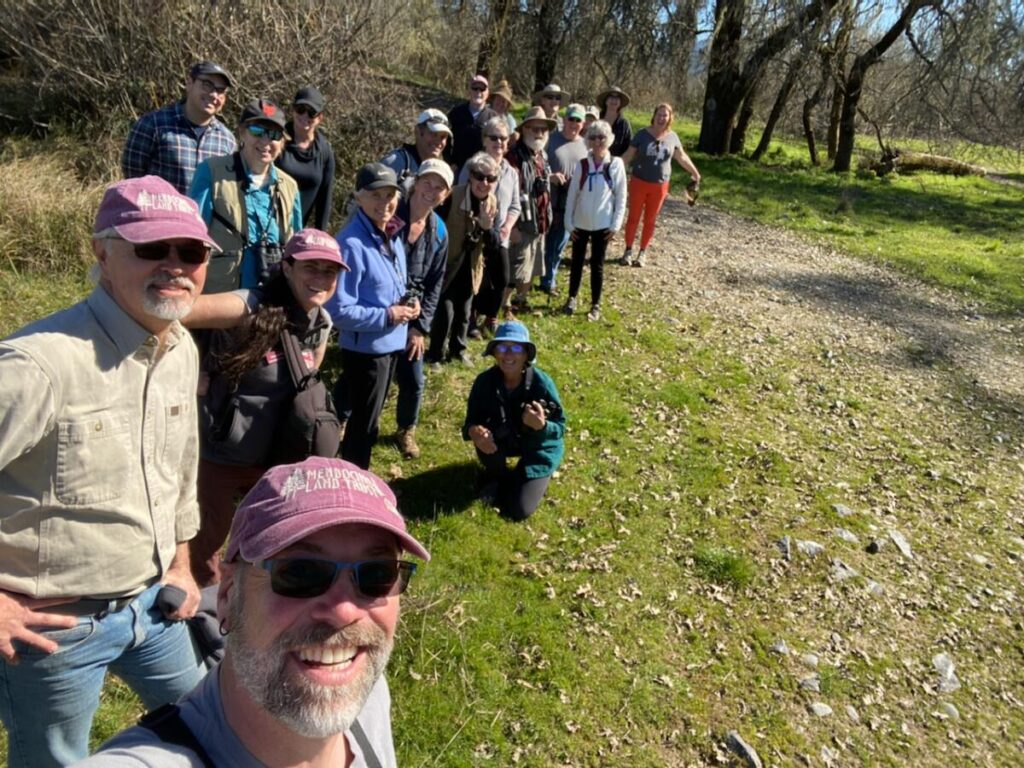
908, 162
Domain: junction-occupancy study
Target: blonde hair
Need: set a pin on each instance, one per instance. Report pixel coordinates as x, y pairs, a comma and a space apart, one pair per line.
671, 112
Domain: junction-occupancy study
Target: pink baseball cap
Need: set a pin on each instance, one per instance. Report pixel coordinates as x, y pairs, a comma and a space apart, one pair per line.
479, 80
292, 501
308, 244
147, 209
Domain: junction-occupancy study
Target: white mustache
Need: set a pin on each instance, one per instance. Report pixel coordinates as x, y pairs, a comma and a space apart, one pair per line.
178, 281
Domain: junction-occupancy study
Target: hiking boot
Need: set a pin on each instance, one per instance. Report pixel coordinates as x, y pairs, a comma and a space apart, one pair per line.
464, 358
594, 314
570, 306
475, 334
641, 258
341, 431
508, 313
521, 301
627, 258
406, 439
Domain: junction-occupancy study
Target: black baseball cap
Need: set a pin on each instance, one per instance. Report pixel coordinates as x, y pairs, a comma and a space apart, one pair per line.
375, 176
311, 97
262, 111
211, 68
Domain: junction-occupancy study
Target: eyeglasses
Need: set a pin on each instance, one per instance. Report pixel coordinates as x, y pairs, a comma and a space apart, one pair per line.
495, 137
483, 177
574, 119
211, 87
312, 577
478, 88
259, 131
504, 349
553, 98
193, 252
303, 109
599, 137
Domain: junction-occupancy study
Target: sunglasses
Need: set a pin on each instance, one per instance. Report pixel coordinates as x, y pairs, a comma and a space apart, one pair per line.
495, 137
597, 138
504, 349
574, 119
302, 109
194, 252
211, 87
312, 577
483, 177
478, 88
259, 131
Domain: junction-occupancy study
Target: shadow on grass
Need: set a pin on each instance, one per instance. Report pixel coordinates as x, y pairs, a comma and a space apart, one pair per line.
443, 490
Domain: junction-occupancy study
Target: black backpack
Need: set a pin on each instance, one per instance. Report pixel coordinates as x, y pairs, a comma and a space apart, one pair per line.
308, 425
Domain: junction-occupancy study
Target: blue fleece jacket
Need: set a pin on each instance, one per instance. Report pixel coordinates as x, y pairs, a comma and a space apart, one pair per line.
376, 280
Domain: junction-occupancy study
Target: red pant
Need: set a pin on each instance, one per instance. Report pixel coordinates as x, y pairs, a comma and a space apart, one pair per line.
648, 197
220, 488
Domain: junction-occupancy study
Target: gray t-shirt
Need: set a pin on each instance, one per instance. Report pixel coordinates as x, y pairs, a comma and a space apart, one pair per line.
203, 712
563, 157
653, 161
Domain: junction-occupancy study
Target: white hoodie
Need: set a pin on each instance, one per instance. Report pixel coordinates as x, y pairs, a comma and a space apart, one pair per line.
596, 205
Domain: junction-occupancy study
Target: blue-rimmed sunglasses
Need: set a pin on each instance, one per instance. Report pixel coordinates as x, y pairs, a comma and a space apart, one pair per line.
311, 577
504, 349
259, 131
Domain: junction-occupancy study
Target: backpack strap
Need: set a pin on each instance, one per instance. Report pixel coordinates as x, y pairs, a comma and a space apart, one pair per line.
585, 167
372, 761
296, 364
168, 726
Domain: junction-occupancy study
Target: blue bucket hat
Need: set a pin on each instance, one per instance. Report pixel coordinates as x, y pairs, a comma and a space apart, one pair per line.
514, 331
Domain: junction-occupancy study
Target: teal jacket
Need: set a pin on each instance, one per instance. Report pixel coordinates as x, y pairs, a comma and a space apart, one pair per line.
542, 449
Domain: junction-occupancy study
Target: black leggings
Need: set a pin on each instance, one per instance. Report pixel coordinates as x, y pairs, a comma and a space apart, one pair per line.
496, 276
598, 247
518, 495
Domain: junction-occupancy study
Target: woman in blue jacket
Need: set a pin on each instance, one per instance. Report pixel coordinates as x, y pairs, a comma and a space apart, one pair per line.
514, 410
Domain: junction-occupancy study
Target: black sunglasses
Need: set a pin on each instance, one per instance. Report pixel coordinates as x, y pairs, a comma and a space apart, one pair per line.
194, 252
259, 131
483, 177
496, 137
303, 109
478, 88
312, 577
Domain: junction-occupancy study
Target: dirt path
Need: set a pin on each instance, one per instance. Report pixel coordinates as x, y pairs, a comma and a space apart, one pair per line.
904, 405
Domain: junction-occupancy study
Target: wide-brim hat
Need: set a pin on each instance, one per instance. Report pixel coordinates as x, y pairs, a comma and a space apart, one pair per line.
537, 114
613, 91
512, 331
551, 89
293, 501
504, 90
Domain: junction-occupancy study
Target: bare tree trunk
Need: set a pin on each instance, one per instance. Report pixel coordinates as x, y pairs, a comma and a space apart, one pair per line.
807, 118
836, 65
855, 83
739, 134
490, 46
682, 26
780, 102
549, 40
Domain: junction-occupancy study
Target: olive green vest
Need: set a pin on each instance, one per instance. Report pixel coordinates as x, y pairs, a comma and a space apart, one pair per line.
228, 226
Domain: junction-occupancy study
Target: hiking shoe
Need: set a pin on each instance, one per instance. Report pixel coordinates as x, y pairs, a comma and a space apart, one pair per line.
406, 439
476, 334
491, 325
521, 301
594, 314
341, 430
464, 358
627, 258
433, 364
641, 258
570, 306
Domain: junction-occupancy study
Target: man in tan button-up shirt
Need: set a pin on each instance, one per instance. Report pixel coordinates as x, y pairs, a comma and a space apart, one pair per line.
98, 458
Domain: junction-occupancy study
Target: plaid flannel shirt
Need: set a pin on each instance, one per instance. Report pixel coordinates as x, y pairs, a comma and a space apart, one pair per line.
164, 143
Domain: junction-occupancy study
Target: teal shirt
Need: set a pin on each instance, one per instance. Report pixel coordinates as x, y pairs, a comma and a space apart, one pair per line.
259, 212
542, 449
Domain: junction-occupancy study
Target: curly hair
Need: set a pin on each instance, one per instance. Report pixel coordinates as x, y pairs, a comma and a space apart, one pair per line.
259, 332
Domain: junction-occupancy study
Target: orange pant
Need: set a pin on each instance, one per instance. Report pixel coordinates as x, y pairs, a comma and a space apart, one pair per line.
648, 197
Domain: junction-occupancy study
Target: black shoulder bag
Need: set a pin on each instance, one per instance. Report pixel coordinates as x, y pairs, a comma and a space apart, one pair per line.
308, 424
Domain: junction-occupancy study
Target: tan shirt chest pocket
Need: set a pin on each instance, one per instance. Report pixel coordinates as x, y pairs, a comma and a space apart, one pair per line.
94, 457
180, 429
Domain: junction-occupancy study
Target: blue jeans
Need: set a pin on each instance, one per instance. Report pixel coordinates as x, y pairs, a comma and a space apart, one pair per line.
554, 244
47, 701
409, 378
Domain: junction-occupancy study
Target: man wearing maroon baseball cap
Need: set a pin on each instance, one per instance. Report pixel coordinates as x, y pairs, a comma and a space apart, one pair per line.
98, 480
309, 603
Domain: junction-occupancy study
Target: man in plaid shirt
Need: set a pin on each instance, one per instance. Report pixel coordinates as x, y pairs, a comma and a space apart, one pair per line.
172, 141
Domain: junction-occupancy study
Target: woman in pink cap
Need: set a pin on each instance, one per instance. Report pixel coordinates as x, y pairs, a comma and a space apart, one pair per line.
245, 381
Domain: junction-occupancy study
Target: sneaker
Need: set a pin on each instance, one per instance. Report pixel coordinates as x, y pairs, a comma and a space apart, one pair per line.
476, 334
627, 258
641, 258
570, 306
464, 358
521, 301
406, 439
433, 364
507, 314
594, 314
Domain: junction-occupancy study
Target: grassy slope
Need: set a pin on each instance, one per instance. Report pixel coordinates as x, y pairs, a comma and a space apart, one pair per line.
626, 618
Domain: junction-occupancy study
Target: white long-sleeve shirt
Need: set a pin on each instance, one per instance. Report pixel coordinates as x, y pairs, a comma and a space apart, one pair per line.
593, 204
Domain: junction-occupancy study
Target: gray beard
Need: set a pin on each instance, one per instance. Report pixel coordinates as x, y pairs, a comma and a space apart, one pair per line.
310, 710
534, 143
168, 308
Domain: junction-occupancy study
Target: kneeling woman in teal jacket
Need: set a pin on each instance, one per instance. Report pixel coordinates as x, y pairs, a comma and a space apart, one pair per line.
514, 410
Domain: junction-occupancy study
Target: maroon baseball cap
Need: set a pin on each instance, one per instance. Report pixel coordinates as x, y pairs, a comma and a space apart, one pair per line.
292, 501
309, 243
147, 209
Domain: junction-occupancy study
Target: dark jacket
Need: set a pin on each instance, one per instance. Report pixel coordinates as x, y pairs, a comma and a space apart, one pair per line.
313, 171
425, 260
542, 449
466, 140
